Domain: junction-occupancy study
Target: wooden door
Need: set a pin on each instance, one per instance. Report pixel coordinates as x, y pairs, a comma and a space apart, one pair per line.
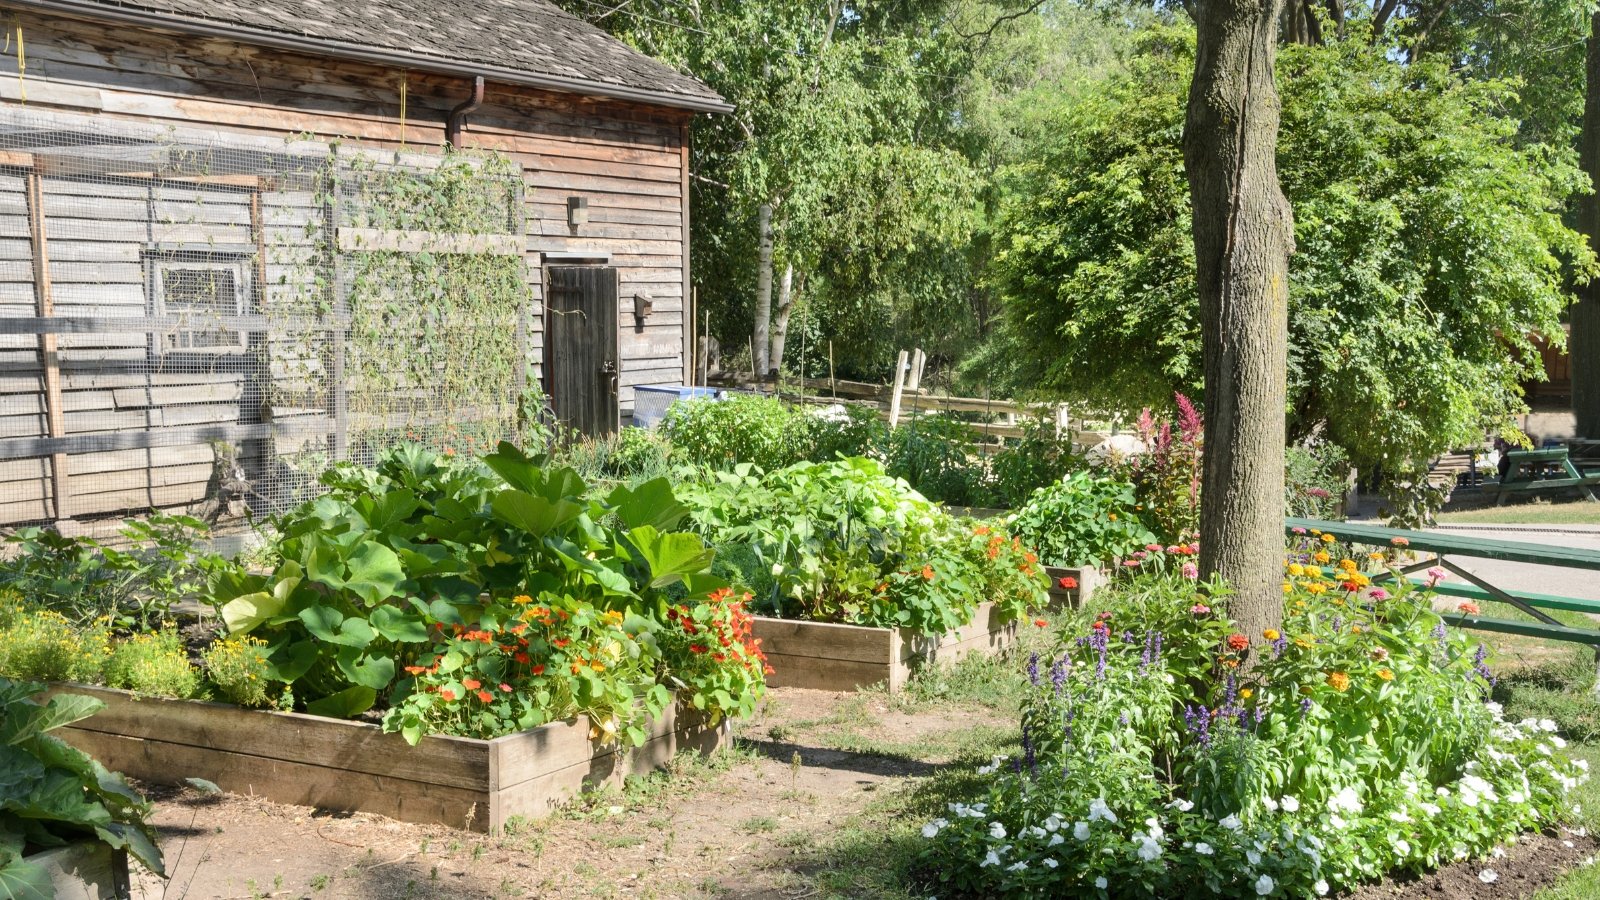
580, 347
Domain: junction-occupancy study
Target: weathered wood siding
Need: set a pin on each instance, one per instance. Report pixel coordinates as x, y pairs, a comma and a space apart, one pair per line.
628, 160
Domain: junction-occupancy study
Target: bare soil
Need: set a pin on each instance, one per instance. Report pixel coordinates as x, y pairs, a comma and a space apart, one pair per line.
1534, 862
743, 825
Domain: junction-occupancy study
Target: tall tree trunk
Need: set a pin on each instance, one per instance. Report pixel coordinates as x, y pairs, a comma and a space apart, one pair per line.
1243, 235
759, 340
1584, 347
780, 316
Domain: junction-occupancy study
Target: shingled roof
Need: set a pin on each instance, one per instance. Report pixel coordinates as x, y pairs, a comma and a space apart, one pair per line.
529, 42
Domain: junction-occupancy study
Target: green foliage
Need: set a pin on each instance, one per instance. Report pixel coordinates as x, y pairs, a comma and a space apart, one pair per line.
937, 456
52, 795
86, 580
1359, 743
154, 663
408, 579
743, 428
238, 671
43, 645
1083, 520
631, 456
845, 542
1314, 481
1042, 457
1430, 248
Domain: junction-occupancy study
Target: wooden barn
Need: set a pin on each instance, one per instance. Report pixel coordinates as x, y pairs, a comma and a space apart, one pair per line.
235, 244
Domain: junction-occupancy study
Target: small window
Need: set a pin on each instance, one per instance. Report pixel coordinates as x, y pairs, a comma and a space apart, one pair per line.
200, 290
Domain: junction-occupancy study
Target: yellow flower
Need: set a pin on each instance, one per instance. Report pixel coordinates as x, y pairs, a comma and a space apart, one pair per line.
1270, 634
1349, 565
1287, 587
614, 617
1386, 675
1246, 693
1321, 556
1296, 569
598, 666
1304, 641
1339, 681
1327, 538
1317, 587
1355, 629
1375, 556
522, 599
1360, 579
1113, 517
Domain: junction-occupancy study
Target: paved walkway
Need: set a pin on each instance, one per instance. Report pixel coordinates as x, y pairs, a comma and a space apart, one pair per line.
1580, 583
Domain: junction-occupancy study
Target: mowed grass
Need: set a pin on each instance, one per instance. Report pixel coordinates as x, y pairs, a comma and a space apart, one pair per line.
1530, 512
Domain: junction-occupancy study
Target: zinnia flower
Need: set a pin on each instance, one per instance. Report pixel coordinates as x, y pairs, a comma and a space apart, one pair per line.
1237, 642
1469, 608
1068, 583
1270, 634
1339, 681
1386, 675
1190, 570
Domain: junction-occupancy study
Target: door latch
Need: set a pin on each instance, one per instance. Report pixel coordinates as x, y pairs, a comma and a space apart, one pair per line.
609, 367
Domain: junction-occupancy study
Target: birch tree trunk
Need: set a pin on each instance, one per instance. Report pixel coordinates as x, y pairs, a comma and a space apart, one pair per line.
780, 316
1243, 235
759, 340
1584, 346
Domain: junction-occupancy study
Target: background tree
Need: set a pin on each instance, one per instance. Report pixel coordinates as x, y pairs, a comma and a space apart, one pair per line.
1585, 346
1429, 233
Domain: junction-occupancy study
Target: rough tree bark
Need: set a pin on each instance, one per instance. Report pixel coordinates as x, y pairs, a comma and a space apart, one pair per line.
780, 316
759, 339
1584, 346
1243, 235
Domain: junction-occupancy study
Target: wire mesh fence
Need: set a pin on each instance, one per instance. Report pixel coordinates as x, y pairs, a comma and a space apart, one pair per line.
201, 322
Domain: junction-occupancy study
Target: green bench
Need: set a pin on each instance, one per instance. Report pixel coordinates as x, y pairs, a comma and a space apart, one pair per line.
1541, 470
1472, 587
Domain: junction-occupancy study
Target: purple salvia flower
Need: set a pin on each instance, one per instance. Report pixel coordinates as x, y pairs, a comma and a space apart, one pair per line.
1033, 669
1305, 706
1027, 750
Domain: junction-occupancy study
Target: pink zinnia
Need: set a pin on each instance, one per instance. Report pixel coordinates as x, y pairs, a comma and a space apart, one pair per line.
1200, 609
1190, 570
1436, 575
1131, 563
1379, 594
1298, 530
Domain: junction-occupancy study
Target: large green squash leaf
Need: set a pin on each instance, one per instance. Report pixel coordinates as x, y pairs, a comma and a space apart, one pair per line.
535, 515
672, 556
352, 701
374, 573
21, 880
651, 503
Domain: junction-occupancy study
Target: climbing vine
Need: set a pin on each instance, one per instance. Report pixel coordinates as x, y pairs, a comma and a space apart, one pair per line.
423, 265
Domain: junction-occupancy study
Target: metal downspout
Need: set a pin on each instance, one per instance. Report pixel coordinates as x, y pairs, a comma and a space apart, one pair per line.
458, 115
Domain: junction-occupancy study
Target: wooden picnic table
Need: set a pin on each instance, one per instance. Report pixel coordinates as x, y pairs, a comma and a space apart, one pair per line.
1536, 470
1444, 546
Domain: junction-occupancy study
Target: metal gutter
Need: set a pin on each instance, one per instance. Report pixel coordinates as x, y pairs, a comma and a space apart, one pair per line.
362, 53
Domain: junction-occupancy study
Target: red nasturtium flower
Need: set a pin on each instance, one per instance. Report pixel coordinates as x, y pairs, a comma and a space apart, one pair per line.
447, 694
485, 696
561, 642
1237, 642
470, 684
539, 669
1040, 623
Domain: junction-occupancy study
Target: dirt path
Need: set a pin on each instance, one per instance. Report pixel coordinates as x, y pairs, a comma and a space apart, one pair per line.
748, 824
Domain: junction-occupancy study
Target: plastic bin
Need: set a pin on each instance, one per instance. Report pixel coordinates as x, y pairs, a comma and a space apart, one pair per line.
650, 403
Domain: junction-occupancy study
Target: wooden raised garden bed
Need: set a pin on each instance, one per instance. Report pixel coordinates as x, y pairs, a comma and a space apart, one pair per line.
1089, 580
350, 766
829, 657
88, 870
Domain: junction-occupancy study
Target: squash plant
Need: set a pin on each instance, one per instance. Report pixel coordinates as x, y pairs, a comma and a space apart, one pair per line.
52, 794
844, 542
371, 573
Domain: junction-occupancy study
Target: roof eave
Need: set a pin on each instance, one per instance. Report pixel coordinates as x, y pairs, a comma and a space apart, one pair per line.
375, 55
